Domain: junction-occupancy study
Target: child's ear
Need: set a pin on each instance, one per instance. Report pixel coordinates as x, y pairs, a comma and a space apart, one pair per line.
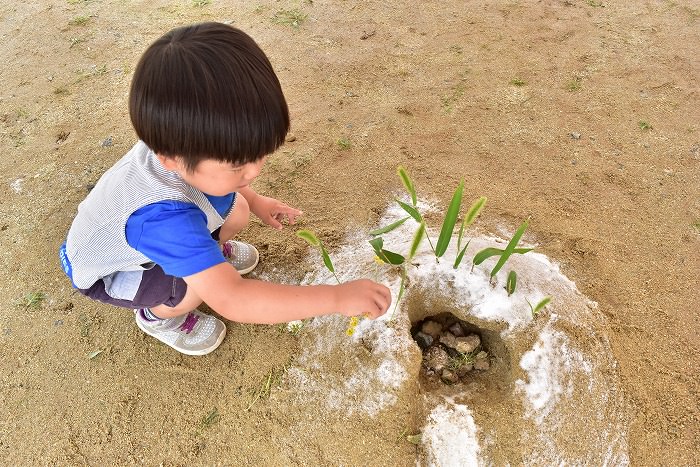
169, 163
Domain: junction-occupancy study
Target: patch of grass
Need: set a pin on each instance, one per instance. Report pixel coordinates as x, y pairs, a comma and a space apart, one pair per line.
413, 439
75, 41
644, 125
274, 377
292, 18
595, 3
344, 143
31, 300
448, 102
79, 21
574, 85
696, 225
200, 3
456, 49
211, 418
517, 82
61, 90
463, 359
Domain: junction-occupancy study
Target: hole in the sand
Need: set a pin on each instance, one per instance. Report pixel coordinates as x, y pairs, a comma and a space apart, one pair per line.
454, 351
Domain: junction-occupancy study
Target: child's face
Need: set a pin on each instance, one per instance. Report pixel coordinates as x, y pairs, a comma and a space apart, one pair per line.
214, 177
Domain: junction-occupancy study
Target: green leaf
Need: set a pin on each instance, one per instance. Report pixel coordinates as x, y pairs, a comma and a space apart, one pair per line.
460, 256
417, 238
309, 237
413, 212
389, 227
448, 225
474, 211
408, 183
393, 258
327, 259
377, 244
509, 248
486, 253
511, 282
542, 303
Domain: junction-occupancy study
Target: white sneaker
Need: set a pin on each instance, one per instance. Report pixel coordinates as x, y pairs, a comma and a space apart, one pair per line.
195, 333
243, 256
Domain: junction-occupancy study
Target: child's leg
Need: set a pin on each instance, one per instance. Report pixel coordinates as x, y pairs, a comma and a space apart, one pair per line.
189, 302
236, 221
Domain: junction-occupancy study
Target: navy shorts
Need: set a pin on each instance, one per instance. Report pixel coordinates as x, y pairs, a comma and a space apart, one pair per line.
138, 289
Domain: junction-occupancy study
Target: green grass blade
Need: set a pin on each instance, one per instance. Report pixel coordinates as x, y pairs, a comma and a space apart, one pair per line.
401, 289
309, 237
413, 212
474, 211
377, 244
509, 248
389, 227
408, 183
511, 282
393, 258
460, 256
448, 225
542, 303
486, 253
327, 259
417, 238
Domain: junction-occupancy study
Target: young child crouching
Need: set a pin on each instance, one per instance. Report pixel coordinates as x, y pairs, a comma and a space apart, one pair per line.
155, 233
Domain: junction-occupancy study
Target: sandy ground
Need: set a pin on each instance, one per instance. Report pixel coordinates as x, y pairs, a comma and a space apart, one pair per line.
581, 114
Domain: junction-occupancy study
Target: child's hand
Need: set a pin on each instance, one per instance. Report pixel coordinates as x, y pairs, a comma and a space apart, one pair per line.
272, 211
363, 297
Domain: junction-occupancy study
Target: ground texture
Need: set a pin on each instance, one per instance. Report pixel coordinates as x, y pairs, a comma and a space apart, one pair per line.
582, 115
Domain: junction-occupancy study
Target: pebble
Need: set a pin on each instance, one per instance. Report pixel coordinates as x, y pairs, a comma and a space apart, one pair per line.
432, 328
436, 358
107, 142
449, 340
575, 135
424, 340
449, 376
290, 138
468, 344
456, 330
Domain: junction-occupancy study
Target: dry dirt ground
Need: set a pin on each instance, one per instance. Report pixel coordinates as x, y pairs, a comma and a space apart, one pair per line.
582, 114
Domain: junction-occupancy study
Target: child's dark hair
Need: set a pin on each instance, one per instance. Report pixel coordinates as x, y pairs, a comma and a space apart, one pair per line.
207, 91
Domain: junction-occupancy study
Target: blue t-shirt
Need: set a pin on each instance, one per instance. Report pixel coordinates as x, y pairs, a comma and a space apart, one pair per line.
174, 235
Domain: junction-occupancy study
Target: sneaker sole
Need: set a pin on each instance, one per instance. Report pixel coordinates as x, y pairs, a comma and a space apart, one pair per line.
186, 352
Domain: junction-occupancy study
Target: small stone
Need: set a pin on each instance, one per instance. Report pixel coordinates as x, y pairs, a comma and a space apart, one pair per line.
468, 344
449, 340
457, 330
464, 369
432, 328
436, 358
449, 377
482, 365
575, 135
290, 138
423, 340
107, 142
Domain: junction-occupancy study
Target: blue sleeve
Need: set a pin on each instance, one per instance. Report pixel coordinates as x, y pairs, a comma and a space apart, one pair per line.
174, 235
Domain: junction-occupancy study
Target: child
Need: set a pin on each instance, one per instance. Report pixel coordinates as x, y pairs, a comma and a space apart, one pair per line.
208, 109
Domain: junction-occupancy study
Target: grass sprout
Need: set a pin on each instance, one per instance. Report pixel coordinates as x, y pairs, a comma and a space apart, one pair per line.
211, 418
31, 300
539, 307
292, 18
644, 126
517, 82
511, 282
343, 144
463, 359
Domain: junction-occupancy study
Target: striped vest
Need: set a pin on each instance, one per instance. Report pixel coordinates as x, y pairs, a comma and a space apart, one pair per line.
96, 245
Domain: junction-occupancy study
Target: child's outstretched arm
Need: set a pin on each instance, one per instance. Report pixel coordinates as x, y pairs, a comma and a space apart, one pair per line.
255, 301
269, 210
